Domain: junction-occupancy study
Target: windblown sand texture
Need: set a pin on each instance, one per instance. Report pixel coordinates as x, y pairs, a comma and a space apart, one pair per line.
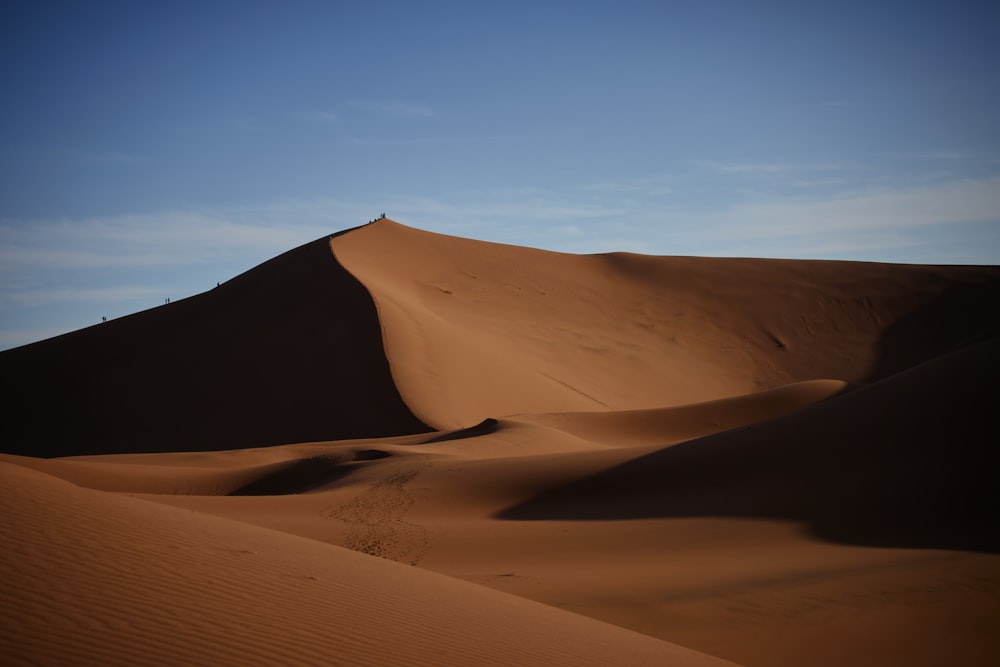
397, 447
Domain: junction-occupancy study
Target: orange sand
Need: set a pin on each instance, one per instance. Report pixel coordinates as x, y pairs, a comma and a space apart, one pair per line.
484, 454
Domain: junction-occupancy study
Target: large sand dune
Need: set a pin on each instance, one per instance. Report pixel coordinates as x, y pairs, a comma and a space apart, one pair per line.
287, 352
476, 330
766, 462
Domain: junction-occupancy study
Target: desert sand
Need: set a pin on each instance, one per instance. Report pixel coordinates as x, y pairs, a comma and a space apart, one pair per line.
391, 446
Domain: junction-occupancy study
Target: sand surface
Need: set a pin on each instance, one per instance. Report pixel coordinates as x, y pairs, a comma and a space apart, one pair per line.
397, 447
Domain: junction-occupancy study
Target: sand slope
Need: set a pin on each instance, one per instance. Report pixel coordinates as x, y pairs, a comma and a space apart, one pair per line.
772, 462
909, 461
722, 566
475, 330
287, 352
95, 579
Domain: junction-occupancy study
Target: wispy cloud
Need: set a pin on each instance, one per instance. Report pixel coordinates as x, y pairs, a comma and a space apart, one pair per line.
13, 337
75, 270
397, 108
730, 167
42, 297
956, 202
936, 156
652, 187
503, 208
91, 266
151, 240
320, 117
828, 222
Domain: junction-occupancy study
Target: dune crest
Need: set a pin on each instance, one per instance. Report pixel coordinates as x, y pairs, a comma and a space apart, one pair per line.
289, 351
475, 330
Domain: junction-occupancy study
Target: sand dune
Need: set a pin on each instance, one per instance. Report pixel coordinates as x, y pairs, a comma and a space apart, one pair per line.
760, 461
287, 352
663, 426
909, 461
475, 330
97, 579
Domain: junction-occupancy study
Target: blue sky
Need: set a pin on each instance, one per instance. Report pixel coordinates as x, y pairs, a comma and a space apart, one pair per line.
151, 149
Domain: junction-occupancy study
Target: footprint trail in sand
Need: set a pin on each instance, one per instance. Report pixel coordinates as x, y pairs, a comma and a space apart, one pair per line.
375, 520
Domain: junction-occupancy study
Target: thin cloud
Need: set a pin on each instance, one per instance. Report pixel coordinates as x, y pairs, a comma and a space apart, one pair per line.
934, 156
725, 167
557, 220
317, 116
397, 108
114, 265
155, 240
14, 337
647, 187
745, 168
501, 208
957, 202
42, 297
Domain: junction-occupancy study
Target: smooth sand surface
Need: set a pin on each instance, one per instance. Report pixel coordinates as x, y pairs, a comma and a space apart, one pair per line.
608, 459
476, 330
96, 579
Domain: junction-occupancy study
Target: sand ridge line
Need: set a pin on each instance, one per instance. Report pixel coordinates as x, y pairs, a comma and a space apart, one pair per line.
375, 519
640, 332
582, 393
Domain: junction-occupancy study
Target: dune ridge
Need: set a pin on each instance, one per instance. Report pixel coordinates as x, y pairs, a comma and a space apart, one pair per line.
287, 352
433, 450
907, 461
475, 330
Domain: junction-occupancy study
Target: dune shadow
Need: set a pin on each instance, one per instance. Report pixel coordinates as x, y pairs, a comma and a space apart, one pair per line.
485, 427
290, 351
303, 475
907, 462
962, 314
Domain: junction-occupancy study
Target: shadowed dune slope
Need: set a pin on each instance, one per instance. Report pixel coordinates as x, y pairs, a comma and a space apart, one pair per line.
749, 586
669, 425
476, 330
910, 461
287, 352
93, 578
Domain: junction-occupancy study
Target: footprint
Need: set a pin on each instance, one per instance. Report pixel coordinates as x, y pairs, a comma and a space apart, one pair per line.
375, 519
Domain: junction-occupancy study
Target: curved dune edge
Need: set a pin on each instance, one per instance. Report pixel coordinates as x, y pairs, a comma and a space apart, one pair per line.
665, 426
302, 468
474, 330
81, 569
289, 351
907, 462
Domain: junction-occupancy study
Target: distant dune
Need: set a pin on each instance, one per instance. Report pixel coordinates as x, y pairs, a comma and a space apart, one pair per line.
397, 447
